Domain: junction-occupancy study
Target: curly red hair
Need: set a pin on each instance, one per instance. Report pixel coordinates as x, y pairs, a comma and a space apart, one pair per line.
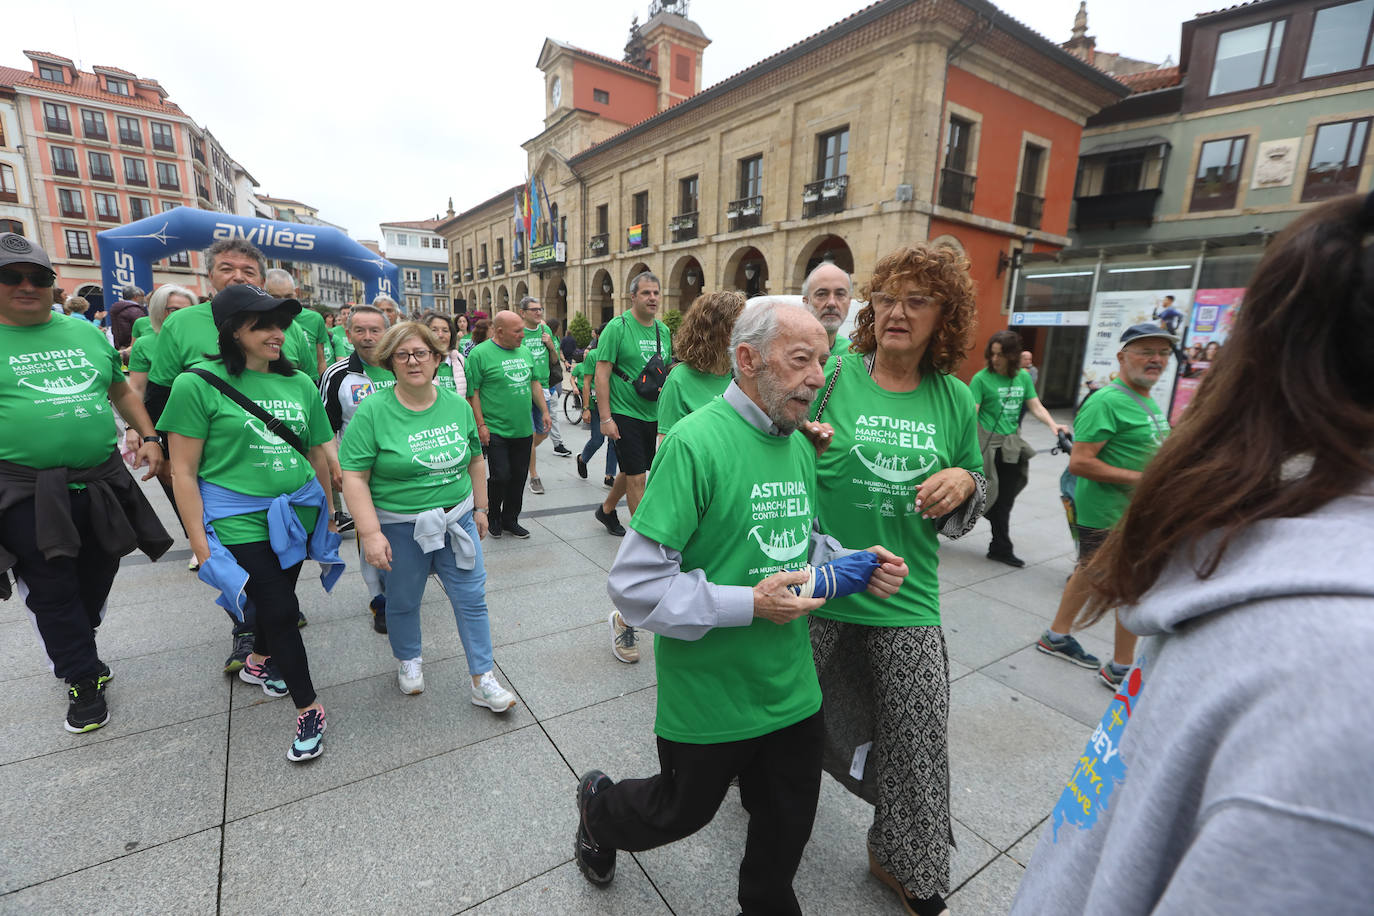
942, 274
703, 339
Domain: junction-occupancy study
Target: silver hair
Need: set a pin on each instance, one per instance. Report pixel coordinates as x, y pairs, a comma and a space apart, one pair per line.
357, 310
806, 284
131, 292
758, 327
157, 303
276, 273
645, 277
525, 302
383, 297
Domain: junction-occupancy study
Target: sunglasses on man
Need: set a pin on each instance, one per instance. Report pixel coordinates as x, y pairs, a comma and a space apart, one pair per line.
37, 276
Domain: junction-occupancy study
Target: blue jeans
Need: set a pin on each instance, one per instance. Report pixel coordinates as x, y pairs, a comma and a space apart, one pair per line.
466, 590
594, 443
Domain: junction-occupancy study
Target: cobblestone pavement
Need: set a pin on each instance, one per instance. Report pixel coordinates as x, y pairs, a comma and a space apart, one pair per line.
185, 803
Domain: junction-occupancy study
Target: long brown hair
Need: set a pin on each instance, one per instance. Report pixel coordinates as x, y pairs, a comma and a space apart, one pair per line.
1010, 342
1294, 380
703, 339
941, 273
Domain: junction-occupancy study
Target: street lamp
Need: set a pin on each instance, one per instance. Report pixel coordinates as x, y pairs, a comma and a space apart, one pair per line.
692, 277
750, 271
606, 286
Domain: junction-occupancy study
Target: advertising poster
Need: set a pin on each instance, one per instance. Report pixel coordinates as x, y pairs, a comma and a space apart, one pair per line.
1214, 314
1112, 314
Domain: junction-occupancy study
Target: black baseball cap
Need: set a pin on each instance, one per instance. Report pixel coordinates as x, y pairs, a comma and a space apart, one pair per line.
245, 297
15, 249
1141, 331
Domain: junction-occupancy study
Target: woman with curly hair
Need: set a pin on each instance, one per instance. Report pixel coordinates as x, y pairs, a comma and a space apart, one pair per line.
903, 466
703, 344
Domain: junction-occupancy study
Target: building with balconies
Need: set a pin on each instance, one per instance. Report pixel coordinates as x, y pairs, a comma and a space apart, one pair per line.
423, 257
1181, 184
907, 120
18, 212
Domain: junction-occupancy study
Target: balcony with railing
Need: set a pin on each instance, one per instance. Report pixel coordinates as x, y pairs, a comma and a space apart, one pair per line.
198, 153
825, 196
481, 271
412, 286
745, 213
72, 209
637, 237
498, 267
600, 244
683, 226
130, 137
1029, 210
57, 125
956, 190
467, 273
95, 132
517, 262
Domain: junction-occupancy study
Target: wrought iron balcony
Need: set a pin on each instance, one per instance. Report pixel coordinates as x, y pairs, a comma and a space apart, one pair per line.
481, 271
498, 267
1029, 210
683, 226
467, 273
956, 190
745, 213
600, 244
824, 196
518, 262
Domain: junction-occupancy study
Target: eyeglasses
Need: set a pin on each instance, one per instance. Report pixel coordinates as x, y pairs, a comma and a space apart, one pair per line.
1163, 352
40, 277
534, 308
910, 303
418, 356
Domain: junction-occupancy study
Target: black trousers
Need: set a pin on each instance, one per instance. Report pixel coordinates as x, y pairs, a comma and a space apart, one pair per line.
999, 516
779, 784
273, 590
508, 465
66, 595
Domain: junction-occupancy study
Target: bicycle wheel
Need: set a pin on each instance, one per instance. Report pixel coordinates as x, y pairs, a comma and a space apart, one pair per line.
572, 406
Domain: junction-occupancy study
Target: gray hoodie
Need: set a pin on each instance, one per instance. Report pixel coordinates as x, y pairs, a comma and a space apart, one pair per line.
1234, 770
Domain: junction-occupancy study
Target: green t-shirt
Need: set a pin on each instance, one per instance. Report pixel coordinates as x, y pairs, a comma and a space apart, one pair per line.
312, 325
1131, 436
143, 327
999, 399
464, 343
686, 390
885, 444
587, 370
418, 459
54, 394
501, 378
189, 334
739, 506
141, 353
443, 378
240, 454
342, 347
534, 341
841, 346
627, 345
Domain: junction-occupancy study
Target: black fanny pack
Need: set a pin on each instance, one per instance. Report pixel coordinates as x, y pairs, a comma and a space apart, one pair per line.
649, 383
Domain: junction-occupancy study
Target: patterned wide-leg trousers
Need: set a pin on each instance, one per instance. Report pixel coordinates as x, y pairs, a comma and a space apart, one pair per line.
911, 833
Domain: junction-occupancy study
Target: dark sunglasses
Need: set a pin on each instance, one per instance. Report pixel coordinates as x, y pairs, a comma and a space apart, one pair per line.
38, 277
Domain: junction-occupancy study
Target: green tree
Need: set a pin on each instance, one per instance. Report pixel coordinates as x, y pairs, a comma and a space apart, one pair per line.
673, 319
581, 330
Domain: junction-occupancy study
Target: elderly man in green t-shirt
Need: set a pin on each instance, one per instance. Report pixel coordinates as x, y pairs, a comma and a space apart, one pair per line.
724, 528
1118, 430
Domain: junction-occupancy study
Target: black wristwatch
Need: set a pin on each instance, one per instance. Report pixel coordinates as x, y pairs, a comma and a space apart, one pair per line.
157, 439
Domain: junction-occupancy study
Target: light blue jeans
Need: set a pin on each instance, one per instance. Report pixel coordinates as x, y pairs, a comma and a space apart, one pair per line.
466, 590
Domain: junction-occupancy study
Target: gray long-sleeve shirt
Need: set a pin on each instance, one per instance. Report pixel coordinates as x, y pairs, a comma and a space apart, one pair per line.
650, 589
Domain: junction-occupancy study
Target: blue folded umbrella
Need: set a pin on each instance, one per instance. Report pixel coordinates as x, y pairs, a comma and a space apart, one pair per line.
838, 578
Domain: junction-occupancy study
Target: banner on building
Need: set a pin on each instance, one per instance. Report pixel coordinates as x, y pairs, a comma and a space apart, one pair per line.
545, 255
1214, 314
1112, 314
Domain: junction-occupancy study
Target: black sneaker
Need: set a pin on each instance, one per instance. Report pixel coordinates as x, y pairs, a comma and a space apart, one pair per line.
105, 676
494, 527
309, 742
581, 467
378, 608
596, 862
518, 530
87, 710
611, 522
561, 450
243, 644
343, 521
1006, 557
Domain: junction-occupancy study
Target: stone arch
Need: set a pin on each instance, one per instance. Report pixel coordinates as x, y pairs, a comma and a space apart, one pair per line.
948, 241
738, 267
831, 248
486, 299
502, 297
685, 281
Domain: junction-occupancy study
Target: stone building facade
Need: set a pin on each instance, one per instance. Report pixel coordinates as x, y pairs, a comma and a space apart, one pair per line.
908, 120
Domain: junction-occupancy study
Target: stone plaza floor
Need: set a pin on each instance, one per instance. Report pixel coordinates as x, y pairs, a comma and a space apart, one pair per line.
185, 802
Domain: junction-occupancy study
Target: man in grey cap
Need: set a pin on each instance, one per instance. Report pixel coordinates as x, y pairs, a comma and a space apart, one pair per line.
1117, 431
69, 508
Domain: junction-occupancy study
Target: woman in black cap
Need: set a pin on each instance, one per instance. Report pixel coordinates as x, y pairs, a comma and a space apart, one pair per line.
247, 434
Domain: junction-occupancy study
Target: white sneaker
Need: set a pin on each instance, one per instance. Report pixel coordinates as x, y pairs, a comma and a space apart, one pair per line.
409, 676
491, 694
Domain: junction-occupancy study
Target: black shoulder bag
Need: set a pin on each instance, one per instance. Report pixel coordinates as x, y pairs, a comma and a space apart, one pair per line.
287, 434
649, 383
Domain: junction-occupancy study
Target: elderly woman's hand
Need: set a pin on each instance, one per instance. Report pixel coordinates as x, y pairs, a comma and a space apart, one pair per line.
889, 575
943, 492
820, 435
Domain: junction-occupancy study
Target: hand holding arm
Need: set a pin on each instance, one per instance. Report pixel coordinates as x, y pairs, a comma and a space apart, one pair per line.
774, 601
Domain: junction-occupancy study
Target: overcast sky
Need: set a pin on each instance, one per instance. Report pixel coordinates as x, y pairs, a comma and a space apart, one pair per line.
378, 119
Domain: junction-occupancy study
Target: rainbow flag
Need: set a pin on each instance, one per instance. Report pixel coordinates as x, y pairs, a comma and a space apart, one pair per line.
636, 236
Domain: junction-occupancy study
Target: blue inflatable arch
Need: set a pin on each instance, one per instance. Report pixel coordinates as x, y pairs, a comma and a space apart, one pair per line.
128, 252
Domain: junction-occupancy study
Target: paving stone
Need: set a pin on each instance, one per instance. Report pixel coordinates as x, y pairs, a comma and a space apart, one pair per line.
1024, 849
991, 891
564, 891
168, 783
980, 629
569, 670
178, 877
563, 602
1076, 692
1009, 755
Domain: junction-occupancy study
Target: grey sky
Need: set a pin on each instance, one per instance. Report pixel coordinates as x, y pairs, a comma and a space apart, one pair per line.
373, 119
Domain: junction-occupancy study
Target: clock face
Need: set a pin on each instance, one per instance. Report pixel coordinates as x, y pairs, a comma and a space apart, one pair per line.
557, 92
